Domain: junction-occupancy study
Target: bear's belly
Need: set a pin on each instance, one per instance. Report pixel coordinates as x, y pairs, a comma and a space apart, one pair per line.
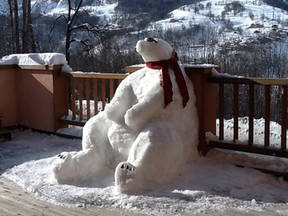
121, 139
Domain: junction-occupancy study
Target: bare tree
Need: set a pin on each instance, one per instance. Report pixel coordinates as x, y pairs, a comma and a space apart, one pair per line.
70, 19
25, 42
73, 24
28, 44
13, 5
5, 36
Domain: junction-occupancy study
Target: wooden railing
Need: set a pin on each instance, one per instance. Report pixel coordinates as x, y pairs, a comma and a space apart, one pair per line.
251, 84
88, 94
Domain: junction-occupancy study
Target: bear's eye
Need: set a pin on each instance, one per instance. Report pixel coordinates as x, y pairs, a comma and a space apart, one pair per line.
151, 40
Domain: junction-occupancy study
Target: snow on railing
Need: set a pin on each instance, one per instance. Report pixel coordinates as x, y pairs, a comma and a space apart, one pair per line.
36, 61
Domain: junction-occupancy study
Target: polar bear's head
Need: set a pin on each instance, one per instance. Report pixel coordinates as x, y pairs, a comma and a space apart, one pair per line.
154, 49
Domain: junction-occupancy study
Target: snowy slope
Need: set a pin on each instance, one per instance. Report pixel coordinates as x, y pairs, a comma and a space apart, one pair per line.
101, 9
258, 22
104, 11
4, 8
57, 9
257, 18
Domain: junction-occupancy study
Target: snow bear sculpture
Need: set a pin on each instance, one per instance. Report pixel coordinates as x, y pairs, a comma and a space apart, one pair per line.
147, 132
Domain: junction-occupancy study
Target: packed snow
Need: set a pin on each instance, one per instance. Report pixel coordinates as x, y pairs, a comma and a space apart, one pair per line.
135, 128
37, 59
211, 184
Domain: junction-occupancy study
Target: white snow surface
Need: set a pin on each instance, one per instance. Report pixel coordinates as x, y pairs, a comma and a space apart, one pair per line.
212, 183
4, 7
104, 11
32, 59
261, 23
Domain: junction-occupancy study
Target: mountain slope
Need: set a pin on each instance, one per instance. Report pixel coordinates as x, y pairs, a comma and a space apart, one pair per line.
213, 23
231, 19
4, 8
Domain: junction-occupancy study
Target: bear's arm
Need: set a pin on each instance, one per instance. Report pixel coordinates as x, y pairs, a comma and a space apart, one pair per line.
142, 112
120, 103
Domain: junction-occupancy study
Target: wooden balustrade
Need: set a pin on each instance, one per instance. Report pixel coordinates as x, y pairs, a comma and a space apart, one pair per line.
88, 94
250, 84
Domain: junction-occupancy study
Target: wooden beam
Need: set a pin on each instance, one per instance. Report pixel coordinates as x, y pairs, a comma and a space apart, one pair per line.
245, 80
235, 110
284, 119
87, 94
251, 114
80, 92
245, 147
103, 93
97, 75
221, 111
95, 95
267, 115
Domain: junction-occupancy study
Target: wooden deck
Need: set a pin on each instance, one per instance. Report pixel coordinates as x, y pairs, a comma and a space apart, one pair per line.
16, 202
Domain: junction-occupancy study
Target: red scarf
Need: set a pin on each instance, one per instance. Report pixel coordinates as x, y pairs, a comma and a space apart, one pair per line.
166, 84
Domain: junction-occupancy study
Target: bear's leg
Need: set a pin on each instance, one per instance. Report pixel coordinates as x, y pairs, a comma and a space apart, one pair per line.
155, 157
76, 167
95, 158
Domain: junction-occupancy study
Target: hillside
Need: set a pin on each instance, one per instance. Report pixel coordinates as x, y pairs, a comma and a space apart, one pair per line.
230, 18
218, 26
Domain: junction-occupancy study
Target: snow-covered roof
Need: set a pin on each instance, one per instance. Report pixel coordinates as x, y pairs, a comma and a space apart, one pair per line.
35, 59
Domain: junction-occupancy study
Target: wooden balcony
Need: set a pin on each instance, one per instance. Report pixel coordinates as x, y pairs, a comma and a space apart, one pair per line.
46, 99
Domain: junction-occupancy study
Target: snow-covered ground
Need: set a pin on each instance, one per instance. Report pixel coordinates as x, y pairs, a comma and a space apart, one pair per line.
104, 11
259, 124
256, 19
213, 183
4, 7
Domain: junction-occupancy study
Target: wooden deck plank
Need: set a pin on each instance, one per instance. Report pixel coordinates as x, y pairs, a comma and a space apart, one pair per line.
25, 206
16, 202
14, 205
12, 200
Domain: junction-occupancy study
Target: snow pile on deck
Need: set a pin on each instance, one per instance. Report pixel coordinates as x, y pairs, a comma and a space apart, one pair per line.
37, 59
212, 184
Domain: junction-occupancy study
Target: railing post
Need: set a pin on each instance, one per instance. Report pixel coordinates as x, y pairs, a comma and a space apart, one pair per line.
206, 101
8, 95
41, 93
60, 97
284, 118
